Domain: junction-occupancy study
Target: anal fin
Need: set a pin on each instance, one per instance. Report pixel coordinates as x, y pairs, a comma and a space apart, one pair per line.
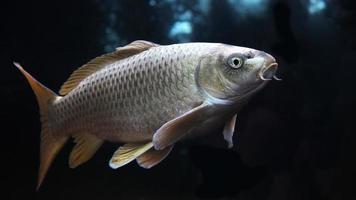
152, 157
128, 153
85, 148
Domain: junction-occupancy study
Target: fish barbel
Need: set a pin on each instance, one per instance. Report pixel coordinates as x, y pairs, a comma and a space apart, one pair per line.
149, 97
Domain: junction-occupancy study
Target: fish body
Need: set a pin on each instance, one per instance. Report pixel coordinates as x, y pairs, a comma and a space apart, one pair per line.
148, 96
128, 100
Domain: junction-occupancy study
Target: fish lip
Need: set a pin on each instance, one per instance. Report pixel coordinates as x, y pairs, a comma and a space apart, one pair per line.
267, 73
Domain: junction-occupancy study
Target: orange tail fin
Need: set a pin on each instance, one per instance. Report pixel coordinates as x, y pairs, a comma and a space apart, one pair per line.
50, 144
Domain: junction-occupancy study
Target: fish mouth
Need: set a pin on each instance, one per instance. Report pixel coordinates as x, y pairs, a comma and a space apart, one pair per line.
267, 73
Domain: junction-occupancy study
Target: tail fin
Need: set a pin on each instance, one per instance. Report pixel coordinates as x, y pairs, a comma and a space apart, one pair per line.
50, 144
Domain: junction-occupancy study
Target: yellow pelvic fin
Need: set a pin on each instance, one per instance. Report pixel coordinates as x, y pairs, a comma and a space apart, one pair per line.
51, 143
85, 147
100, 62
128, 153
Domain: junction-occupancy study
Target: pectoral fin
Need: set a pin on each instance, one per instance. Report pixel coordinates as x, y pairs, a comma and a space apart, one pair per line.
85, 148
128, 153
229, 131
175, 129
152, 157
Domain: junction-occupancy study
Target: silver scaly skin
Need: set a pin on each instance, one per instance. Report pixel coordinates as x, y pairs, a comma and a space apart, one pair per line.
148, 96
128, 100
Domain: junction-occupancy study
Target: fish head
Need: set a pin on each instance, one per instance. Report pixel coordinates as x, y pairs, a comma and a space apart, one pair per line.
230, 72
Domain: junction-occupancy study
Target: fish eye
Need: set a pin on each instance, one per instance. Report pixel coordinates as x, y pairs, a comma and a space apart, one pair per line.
235, 62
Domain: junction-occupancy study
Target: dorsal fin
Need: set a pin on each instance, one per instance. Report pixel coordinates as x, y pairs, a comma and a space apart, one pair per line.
99, 62
136, 47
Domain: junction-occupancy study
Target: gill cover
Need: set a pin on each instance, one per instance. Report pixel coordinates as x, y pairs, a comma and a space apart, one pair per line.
210, 81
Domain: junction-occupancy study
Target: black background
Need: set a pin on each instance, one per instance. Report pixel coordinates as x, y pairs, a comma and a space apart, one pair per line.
295, 139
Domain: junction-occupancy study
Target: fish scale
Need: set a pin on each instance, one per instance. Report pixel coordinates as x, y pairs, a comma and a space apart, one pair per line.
149, 97
164, 73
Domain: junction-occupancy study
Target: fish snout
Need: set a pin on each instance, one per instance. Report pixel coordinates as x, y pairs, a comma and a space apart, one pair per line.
269, 69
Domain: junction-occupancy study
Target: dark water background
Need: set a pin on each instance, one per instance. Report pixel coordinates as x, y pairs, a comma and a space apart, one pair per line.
295, 139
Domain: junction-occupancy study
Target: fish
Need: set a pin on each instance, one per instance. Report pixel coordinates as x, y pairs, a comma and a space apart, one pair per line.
148, 97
